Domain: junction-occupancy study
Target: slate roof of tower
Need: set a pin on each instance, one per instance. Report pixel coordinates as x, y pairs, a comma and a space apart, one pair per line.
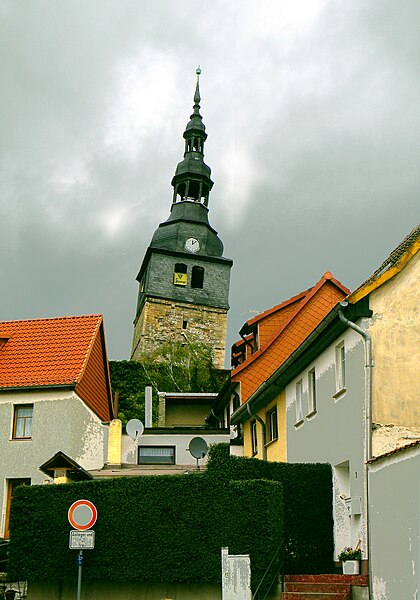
42, 352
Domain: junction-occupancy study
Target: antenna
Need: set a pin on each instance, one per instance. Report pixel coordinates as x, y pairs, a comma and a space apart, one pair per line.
198, 448
134, 428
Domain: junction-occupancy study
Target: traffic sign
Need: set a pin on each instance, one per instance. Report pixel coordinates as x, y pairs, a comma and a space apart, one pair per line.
82, 515
82, 540
79, 560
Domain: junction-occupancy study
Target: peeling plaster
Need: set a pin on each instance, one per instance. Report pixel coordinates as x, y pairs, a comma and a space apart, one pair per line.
379, 589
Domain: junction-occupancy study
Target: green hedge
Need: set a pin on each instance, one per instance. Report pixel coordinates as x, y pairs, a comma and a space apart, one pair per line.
308, 513
156, 528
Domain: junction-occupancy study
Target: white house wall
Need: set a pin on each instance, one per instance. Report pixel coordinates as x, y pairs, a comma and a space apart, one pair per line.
61, 421
334, 434
394, 498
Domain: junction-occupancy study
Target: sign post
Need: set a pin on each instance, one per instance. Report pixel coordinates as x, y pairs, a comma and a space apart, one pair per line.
82, 516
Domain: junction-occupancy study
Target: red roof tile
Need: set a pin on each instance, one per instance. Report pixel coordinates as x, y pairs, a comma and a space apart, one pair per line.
43, 352
310, 308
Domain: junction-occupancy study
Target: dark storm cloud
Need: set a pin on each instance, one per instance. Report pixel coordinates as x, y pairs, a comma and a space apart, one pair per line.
310, 108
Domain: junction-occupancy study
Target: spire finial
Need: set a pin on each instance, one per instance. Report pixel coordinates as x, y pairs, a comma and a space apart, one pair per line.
197, 97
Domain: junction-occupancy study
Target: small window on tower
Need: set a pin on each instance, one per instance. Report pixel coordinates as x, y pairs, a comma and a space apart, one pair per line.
184, 324
180, 274
197, 277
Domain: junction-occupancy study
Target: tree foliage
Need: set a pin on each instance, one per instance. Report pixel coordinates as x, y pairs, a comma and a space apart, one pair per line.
175, 367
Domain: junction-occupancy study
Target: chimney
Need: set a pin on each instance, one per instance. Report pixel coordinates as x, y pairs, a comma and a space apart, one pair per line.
148, 406
114, 443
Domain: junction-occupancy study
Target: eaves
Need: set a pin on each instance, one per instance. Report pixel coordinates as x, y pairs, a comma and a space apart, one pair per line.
35, 387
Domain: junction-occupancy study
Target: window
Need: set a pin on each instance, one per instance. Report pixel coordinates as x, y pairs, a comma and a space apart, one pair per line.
22, 421
311, 392
272, 427
184, 324
180, 274
156, 455
299, 418
197, 277
254, 439
340, 367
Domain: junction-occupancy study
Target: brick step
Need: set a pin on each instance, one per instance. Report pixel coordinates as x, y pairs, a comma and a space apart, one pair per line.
312, 586
313, 596
328, 578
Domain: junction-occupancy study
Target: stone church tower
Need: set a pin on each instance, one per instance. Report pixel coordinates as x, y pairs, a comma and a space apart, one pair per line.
184, 279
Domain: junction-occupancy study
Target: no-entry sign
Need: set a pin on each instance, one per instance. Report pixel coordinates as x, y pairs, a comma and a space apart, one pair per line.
82, 515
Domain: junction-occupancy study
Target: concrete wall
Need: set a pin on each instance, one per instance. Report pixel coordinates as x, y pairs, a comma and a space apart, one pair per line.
180, 441
394, 499
61, 421
395, 332
335, 435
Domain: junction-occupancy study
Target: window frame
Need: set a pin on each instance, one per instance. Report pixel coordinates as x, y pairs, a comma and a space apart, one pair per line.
26, 419
272, 419
340, 368
197, 277
151, 446
254, 437
180, 276
312, 408
299, 399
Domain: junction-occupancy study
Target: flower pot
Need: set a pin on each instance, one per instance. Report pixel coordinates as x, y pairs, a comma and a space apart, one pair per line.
351, 567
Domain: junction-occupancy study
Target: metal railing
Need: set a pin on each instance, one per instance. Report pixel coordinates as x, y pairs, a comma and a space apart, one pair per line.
278, 556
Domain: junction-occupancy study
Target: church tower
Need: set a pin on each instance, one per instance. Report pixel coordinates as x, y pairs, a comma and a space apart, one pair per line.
184, 279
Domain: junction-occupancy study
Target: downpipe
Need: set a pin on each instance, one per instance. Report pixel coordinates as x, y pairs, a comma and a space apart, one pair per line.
368, 419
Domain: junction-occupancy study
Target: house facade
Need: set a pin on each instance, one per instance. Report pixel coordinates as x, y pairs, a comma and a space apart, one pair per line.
55, 395
268, 341
362, 370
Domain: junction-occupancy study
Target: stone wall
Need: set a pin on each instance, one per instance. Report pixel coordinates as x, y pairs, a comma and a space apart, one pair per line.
164, 320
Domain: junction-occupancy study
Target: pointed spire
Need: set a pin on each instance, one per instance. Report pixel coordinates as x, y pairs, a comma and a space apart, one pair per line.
192, 176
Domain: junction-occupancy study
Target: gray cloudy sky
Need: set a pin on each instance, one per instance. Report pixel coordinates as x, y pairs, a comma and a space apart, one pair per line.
312, 111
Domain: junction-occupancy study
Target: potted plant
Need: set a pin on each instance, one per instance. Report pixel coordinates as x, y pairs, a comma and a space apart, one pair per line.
350, 559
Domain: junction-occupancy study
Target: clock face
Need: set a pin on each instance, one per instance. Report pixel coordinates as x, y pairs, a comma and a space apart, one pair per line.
192, 245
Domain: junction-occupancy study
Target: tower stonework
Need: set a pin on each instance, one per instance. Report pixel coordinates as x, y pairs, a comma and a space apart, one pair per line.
184, 279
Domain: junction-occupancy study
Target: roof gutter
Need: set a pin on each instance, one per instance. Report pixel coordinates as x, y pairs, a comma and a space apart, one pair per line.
25, 388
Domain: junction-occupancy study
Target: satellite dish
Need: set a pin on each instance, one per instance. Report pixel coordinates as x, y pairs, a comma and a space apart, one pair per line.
134, 428
198, 447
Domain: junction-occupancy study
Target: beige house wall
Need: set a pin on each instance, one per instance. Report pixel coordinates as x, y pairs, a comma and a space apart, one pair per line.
395, 332
276, 450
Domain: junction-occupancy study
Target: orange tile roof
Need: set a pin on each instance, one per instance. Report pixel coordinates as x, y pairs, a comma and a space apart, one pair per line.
44, 352
310, 308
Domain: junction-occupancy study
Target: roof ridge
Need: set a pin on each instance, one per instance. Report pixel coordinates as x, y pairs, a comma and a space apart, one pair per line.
393, 263
276, 307
309, 294
62, 318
